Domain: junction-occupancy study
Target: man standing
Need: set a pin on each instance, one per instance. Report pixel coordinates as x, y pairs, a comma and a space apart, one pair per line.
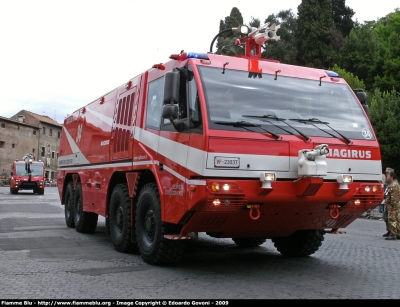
384, 205
393, 205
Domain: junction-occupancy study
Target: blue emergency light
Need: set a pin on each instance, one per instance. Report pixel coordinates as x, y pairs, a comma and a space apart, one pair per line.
197, 55
332, 74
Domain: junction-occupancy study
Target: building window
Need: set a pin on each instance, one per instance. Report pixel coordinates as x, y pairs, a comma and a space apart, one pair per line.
58, 134
50, 132
13, 145
57, 155
33, 150
34, 132
53, 154
3, 125
43, 153
44, 130
1, 144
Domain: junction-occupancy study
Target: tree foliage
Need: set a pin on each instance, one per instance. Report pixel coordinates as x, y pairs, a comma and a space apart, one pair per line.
358, 53
387, 58
385, 111
234, 20
315, 34
283, 50
342, 17
351, 79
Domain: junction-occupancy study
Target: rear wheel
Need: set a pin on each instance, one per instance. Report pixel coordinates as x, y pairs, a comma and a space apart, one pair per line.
120, 220
300, 244
249, 242
69, 205
13, 191
154, 248
85, 222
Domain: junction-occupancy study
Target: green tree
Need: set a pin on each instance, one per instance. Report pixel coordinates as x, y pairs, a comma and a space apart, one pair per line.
254, 22
358, 53
234, 20
387, 59
315, 34
351, 79
385, 111
342, 17
285, 49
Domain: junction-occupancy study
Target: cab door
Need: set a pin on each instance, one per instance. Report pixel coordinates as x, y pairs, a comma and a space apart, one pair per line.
172, 154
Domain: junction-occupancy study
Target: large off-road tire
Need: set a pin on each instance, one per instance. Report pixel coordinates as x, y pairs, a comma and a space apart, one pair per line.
85, 222
40, 191
150, 230
69, 205
120, 219
13, 191
249, 242
300, 244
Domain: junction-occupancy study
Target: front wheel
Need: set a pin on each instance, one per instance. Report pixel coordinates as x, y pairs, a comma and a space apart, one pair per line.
300, 244
13, 191
249, 242
40, 191
85, 222
69, 205
119, 219
150, 230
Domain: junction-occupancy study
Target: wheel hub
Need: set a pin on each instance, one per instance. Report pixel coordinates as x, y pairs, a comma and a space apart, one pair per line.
149, 224
120, 218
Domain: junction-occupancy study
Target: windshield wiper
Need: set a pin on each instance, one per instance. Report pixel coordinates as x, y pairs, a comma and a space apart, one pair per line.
268, 121
318, 121
244, 124
265, 118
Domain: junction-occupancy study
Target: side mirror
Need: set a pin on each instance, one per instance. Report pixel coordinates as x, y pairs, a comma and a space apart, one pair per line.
171, 88
170, 111
362, 96
12, 173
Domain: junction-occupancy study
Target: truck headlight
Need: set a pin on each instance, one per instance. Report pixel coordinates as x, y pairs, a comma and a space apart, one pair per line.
267, 179
344, 181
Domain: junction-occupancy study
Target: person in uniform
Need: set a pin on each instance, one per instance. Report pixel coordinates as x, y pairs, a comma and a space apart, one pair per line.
385, 209
393, 205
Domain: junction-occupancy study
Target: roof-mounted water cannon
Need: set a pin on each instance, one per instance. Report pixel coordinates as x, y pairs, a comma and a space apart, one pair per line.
28, 159
265, 33
253, 38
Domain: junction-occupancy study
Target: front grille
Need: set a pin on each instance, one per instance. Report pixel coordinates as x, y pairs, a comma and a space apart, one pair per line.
228, 202
232, 200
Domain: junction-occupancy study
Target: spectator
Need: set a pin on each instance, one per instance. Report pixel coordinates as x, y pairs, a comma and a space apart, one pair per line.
393, 205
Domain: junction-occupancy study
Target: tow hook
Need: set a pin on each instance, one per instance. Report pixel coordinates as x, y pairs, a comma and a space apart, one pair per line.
254, 208
334, 212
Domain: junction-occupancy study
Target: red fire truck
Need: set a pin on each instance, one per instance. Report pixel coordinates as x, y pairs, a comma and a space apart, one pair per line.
27, 175
235, 146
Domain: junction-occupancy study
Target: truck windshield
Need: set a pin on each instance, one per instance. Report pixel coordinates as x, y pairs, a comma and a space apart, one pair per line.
36, 170
233, 96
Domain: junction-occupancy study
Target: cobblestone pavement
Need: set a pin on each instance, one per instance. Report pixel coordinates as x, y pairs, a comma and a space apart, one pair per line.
40, 258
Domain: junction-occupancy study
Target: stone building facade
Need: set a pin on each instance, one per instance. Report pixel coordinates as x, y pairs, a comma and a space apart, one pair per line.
16, 140
37, 134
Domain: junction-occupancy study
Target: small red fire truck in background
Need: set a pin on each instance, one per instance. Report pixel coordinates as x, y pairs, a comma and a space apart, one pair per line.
27, 175
237, 147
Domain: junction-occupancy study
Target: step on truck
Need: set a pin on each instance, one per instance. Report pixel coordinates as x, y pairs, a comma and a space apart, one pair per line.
234, 146
27, 175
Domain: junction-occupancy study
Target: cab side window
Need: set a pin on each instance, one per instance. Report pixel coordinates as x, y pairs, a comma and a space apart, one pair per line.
155, 96
196, 124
